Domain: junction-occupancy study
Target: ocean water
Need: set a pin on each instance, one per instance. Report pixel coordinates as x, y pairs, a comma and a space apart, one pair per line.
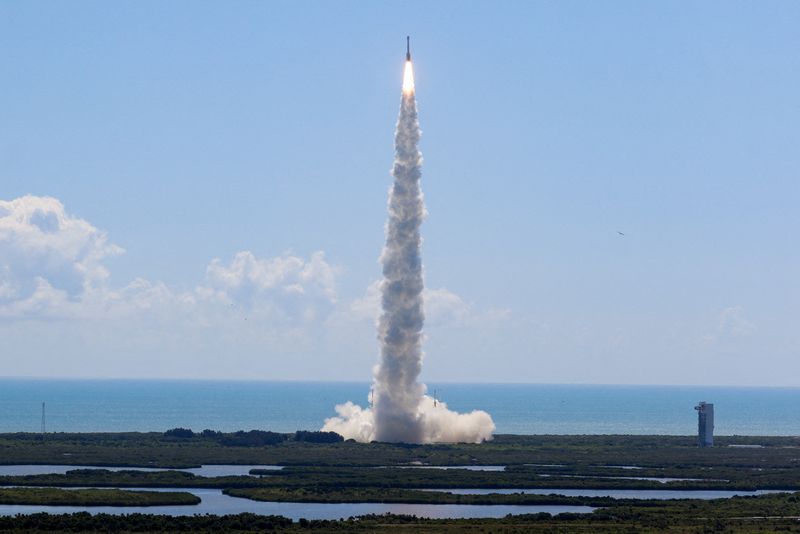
157, 405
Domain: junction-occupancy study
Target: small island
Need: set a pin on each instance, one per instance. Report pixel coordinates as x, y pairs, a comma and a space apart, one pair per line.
95, 497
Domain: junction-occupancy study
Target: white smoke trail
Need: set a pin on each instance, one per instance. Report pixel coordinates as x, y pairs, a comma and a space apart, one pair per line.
401, 411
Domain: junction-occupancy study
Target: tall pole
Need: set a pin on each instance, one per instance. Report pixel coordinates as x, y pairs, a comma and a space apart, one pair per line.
43, 426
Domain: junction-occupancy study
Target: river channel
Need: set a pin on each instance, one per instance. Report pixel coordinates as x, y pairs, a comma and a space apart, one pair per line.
215, 502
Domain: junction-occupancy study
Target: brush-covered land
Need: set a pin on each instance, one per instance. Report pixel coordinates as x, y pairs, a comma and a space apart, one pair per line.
406, 496
746, 515
95, 497
321, 468
181, 448
604, 462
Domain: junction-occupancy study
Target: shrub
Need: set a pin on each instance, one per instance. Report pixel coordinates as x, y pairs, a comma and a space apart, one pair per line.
253, 438
317, 436
179, 433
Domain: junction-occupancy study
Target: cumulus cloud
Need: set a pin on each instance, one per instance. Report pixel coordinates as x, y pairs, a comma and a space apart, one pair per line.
732, 322
731, 328
442, 308
52, 265
48, 258
54, 268
289, 279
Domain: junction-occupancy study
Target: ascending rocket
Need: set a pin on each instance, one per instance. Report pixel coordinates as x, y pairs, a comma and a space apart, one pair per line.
408, 71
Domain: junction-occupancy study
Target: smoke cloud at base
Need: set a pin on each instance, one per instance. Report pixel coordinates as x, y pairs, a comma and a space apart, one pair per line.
401, 412
437, 423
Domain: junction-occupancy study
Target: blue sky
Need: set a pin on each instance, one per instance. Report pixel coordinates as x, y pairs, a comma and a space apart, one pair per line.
185, 132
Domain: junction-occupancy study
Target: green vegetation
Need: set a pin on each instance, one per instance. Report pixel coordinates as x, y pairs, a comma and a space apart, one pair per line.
360, 477
744, 480
323, 468
533, 461
253, 438
129, 479
155, 449
94, 497
317, 437
181, 433
773, 513
85, 522
393, 495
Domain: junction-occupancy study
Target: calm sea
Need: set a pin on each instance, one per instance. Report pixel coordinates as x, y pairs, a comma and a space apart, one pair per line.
157, 405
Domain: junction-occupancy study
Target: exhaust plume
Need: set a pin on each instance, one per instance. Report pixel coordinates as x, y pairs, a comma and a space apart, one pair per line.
400, 411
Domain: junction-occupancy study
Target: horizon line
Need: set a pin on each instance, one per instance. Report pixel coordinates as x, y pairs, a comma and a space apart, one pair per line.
317, 381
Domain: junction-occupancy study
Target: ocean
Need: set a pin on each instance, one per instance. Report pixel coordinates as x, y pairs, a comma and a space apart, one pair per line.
157, 405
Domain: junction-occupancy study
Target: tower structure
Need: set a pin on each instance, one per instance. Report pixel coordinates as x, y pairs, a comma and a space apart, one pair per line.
705, 424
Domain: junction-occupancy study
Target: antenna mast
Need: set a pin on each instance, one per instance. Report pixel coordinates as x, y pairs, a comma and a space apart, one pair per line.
43, 421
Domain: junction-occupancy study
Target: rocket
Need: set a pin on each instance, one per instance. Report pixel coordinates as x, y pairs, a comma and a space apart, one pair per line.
408, 48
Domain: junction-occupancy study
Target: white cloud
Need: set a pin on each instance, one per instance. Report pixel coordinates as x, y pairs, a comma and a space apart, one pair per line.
442, 308
44, 302
732, 322
48, 258
7, 291
247, 276
251, 310
52, 266
731, 325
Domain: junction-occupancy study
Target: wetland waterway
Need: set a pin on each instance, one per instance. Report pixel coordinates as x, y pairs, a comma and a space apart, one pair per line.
215, 502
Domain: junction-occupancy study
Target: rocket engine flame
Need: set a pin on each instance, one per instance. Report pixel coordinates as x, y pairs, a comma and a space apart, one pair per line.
408, 78
401, 412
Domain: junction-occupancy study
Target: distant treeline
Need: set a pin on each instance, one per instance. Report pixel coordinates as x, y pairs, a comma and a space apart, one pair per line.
254, 438
247, 522
84, 521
